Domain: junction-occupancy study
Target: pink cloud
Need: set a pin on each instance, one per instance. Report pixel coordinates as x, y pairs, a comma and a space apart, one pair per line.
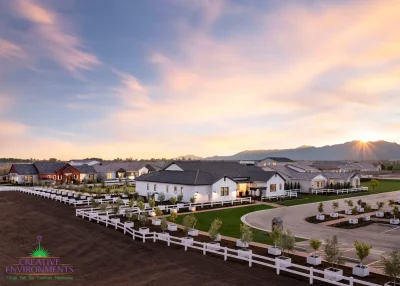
10, 50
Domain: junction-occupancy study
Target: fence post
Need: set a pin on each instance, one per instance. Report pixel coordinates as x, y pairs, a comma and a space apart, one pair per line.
225, 253
204, 248
154, 237
351, 281
124, 228
144, 238
185, 245
311, 275
277, 267
169, 241
250, 259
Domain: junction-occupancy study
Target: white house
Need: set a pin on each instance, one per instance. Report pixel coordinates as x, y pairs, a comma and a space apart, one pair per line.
118, 170
274, 161
23, 174
210, 181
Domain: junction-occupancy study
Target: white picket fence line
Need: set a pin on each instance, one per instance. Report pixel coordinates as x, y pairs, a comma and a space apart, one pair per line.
338, 191
308, 272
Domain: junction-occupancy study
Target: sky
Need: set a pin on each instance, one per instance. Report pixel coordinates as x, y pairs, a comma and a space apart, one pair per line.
165, 78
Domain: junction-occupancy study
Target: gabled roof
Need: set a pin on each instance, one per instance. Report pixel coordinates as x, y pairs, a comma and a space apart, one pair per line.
180, 177
86, 169
24, 169
338, 175
48, 167
278, 159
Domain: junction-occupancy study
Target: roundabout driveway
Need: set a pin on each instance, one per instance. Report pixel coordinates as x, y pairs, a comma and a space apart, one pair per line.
383, 239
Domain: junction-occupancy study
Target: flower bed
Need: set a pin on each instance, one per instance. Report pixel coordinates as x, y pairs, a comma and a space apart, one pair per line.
313, 219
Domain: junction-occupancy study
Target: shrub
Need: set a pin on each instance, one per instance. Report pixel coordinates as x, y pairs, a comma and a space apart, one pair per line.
315, 244
133, 217
94, 203
246, 234
189, 222
103, 207
395, 211
374, 183
161, 197
349, 203
179, 198
391, 265
380, 205
333, 254
135, 196
354, 211
359, 202
213, 232
367, 208
192, 200
362, 250
287, 242
143, 219
164, 224
172, 217
335, 206
152, 203
321, 208
131, 203
172, 201
139, 199
158, 212
275, 235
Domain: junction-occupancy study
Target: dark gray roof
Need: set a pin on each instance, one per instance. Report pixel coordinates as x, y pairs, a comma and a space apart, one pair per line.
115, 166
86, 169
24, 169
49, 167
150, 168
180, 177
279, 159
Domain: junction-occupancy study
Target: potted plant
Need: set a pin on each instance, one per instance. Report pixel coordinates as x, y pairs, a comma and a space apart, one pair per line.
380, 206
132, 202
94, 203
367, 209
172, 200
362, 251
157, 221
395, 213
335, 206
172, 226
188, 223
131, 220
142, 218
360, 209
350, 204
334, 256
313, 258
246, 236
192, 201
286, 244
192, 220
164, 227
213, 233
275, 235
391, 267
321, 215
354, 212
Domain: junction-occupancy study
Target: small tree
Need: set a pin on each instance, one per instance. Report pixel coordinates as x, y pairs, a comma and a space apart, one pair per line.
192, 200
140, 199
395, 211
133, 217
246, 234
94, 203
161, 197
131, 203
349, 203
164, 224
335, 206
315, 244
359, 202
275, 235
140, 206
117, 206
158, 212
143, 219
380, 205
367, 208
180, 198
354, 211
333, 254
213, 232
287, 242
189, 222
135, 195
374, 183
321, 208
152, 203
172, 201
172, 217
362, 250
391, 266
103, 207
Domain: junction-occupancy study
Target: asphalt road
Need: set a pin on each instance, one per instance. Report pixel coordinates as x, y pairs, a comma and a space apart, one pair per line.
382, 238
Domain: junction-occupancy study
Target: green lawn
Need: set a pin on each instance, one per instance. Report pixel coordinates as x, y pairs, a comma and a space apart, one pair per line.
230, 222
384, 187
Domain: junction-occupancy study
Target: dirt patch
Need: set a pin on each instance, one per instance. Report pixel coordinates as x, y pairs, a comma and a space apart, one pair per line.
103, 256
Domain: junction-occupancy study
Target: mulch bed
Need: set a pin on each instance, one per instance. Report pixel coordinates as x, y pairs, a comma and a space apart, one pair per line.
347, 225
313, 219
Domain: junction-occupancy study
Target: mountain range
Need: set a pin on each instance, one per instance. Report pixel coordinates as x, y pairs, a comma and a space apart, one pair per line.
354, 150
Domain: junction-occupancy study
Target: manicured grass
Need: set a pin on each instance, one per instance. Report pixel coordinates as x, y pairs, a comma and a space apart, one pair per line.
384, 187
230, 222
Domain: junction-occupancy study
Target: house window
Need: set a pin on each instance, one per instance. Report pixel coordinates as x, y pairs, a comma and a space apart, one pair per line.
91, 177
272, 188
54, 177
148, 186
75, 177
224, 191
181, 190
175, 189
274, 164
265, 164
167, 188
48, 176
109, 175
25, 178
155, 187
317, 184
331, 182
31, 178
60, 177
280, 187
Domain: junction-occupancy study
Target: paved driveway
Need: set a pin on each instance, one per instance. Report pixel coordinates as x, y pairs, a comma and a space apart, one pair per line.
293, 219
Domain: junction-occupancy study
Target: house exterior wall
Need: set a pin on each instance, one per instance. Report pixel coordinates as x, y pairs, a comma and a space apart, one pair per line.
85, 176
216, 190
21, 179
275, 180
61, 177
47, 176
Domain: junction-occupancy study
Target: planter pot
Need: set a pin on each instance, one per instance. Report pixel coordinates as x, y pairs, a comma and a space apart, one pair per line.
71, 201
314, 260
360, 271
366, 218
245, 253
162, 208
348, 212
144, 230
173, 210
353, 220
187, 240
103, 217
391, 284
115, 220
193, 232
156, 222
283, 261
239, 243
333, 274
218, 238
380, 214
163, 235
193, 209
320, 217
274, 250
334, 215
394, 221
360, 210
214, 246
172, 227
129, 224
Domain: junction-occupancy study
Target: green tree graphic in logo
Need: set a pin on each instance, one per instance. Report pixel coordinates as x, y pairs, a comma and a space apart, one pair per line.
39, 251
